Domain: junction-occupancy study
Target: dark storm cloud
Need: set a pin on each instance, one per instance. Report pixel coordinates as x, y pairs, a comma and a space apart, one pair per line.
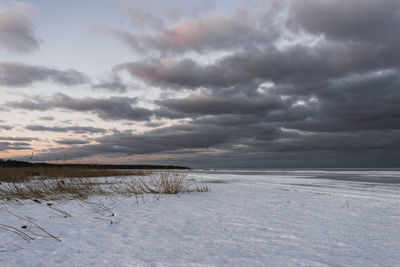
258, 140
203, 104
365, 100
165, 139
160, 140
365, 20
242, 68
355, 103
325, 88
175, 139
367, 141
298, 66
16, 28
337, 93
361, 36
300, 159
113, 108
189, 137
353, 114
20, 74
75, 129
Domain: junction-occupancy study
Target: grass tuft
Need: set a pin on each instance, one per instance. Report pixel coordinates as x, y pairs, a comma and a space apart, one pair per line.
165, 182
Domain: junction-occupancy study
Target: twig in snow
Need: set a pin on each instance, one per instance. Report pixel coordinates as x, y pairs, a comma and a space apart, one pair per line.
66, 214
38, 226
14, 230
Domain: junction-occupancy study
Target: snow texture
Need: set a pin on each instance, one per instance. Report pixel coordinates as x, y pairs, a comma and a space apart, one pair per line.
265, 218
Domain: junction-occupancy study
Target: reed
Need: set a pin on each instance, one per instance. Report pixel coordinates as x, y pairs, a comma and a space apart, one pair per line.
21, 174
163, 182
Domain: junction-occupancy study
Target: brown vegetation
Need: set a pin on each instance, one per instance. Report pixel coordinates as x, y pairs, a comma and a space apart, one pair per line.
163, 182
20, 174
52, 189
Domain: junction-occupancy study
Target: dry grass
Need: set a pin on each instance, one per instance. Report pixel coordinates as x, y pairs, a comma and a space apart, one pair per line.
21, 174
53, 189
164, 182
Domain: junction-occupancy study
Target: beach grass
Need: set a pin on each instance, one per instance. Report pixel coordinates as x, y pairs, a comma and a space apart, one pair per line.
165, 182
55, 186
21, 174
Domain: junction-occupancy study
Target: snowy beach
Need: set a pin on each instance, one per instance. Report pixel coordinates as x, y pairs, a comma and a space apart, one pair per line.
250, 218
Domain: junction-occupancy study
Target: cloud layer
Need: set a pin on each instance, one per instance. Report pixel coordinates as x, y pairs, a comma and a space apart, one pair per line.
114, 108
219, 32
291, 83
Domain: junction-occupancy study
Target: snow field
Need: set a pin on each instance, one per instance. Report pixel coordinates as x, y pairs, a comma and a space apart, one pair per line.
250, 220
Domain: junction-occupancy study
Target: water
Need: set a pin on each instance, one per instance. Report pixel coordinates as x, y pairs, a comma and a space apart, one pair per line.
381, 176
374, 184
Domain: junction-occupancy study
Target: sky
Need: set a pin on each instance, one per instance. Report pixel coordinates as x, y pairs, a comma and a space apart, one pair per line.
206, 84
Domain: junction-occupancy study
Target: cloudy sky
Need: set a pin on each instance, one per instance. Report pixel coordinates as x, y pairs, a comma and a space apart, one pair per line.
273, 83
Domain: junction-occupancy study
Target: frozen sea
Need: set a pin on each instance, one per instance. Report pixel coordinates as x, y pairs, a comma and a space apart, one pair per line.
310, 217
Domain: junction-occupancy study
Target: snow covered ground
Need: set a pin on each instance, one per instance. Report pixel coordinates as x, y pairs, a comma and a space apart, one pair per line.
260, 218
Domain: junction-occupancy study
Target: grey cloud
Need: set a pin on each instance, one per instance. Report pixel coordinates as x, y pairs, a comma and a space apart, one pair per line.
129, 39
320, 159
206, 105
113, 108
183, 73
20, 74
165, 139
160, 140
75, 129
364, 100
16, 28
367, 20
353, 29
6, 127
356, 114
47, 118
72, 142
299, 65
330, 101
240, 68
219, 32
140, 18
256, 139
20, 139
154, 124
14, 146
115, 84
356, 103
368, 141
